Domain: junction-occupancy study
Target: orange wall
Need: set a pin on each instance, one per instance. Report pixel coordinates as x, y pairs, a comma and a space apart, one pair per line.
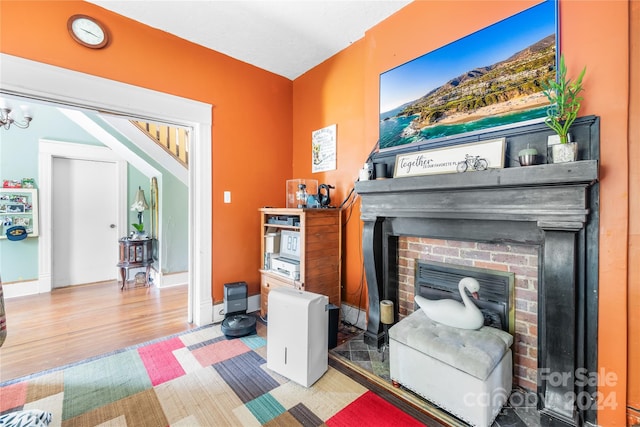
333, 93
634, 223
252, 111
344, 90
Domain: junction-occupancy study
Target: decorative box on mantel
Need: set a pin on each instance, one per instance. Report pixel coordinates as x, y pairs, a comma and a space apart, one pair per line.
553, 207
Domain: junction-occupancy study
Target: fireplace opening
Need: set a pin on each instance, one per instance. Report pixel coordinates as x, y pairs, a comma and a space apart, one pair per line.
436, 281
508, 276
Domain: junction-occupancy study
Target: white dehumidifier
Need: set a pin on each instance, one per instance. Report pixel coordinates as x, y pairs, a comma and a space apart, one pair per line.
297, 335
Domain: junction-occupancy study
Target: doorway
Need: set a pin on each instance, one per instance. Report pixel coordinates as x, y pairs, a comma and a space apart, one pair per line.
58, 194
30, 79
84, 216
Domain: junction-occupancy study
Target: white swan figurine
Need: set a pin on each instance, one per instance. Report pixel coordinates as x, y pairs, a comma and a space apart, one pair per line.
453, 313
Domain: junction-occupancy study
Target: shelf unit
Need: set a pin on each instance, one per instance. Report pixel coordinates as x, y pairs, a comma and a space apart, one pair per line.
320, 252
19, 206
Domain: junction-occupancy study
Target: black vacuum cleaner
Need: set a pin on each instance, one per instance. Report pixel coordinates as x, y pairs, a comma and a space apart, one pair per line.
236, 322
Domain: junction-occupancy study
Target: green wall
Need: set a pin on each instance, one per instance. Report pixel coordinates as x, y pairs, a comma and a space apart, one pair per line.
19, 159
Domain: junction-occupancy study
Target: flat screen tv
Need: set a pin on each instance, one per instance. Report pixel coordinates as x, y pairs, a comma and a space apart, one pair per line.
489, 78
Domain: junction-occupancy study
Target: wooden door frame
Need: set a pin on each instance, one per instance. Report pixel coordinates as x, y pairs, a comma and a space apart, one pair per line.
31, 79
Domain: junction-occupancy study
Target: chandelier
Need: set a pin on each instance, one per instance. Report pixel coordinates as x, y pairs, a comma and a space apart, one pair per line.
7, 118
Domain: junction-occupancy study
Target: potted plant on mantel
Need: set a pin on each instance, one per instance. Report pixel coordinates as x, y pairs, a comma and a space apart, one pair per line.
563, 93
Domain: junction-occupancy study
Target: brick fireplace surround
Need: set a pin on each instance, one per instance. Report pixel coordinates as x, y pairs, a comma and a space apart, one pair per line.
522, 260
549, 209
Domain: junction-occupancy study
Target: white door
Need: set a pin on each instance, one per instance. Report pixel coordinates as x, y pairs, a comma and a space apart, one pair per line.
84, 218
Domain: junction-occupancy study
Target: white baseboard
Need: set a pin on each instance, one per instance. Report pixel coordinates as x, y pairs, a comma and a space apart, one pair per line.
20, 289
354, 316
253, 304
349, 314
218, 312
167, 280
203, 315
43, 285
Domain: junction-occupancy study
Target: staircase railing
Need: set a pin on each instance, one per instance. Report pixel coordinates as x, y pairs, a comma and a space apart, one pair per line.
174, 140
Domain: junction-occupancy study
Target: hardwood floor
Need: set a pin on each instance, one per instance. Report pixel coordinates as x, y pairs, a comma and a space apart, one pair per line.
70, 324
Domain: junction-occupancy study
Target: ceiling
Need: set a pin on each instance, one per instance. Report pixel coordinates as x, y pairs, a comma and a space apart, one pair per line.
287, 38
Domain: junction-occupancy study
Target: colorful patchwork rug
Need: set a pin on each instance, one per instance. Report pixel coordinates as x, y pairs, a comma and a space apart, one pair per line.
198, 378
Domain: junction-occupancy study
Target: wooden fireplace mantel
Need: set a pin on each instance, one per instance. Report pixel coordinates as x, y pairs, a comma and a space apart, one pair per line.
549, 193
552, 206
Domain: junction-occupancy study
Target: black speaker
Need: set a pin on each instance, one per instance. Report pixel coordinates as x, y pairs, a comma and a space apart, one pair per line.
380, 170
334, 318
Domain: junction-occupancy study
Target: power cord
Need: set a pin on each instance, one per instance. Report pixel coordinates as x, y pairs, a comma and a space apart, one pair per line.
375, 148
349, 201
369, 156
346, 199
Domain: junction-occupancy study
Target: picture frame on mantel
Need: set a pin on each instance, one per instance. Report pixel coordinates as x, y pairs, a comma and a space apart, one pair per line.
482, 155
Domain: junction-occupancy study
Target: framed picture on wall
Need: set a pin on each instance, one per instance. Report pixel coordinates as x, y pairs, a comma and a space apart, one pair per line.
487, 79
323, 149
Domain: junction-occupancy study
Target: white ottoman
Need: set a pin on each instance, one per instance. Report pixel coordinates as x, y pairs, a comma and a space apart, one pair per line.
466, 372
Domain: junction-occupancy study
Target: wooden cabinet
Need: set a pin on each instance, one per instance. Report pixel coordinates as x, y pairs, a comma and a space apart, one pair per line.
320, 237
268, 282
133, 254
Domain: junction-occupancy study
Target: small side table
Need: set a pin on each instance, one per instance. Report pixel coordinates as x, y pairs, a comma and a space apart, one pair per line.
135, 253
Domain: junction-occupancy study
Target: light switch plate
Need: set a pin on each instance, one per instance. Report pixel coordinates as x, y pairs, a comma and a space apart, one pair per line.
227, 196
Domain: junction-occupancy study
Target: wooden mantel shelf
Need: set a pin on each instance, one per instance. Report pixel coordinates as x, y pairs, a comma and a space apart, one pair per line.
584, 171
551, 195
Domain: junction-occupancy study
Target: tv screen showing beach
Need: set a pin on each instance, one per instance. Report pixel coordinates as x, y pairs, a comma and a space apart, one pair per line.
486, 79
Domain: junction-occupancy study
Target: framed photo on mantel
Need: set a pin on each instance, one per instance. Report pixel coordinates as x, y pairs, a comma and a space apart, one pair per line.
477, 156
